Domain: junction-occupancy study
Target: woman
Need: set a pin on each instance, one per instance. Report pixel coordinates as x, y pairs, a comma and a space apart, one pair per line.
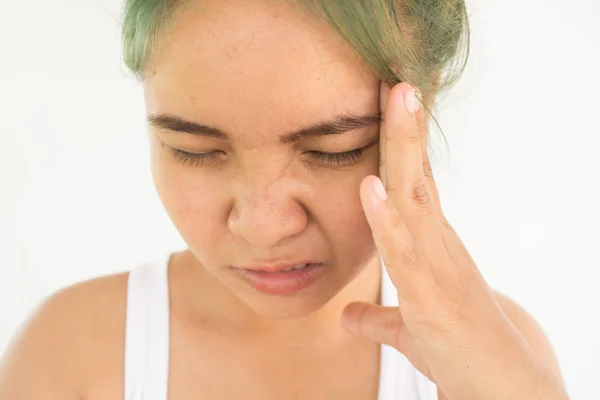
270, 124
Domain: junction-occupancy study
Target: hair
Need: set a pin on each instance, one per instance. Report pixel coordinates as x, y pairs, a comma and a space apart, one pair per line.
422, 42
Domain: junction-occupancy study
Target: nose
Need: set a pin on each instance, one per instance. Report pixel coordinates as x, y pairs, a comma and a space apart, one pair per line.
265, 217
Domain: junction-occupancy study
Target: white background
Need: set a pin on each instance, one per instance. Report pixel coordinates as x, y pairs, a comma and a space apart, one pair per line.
521, 183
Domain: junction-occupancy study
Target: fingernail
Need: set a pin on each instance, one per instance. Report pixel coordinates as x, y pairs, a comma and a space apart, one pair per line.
410, 101
379, 190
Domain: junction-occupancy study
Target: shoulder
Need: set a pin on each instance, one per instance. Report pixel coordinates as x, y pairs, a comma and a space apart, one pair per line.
531, 331
67, 341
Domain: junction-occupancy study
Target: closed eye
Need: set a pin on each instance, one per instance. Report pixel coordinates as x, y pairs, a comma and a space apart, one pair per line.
321, 158
194, 159
336, 159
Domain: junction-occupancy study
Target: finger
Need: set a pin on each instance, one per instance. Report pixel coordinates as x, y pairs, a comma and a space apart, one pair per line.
422, 128
384, 91
453, 244
404, 262
383, 325
407, 185
376, 323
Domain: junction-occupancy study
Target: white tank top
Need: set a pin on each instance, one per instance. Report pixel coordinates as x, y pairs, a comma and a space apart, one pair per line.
147, 342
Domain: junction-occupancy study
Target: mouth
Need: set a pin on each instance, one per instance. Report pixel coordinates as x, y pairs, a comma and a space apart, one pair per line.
281, 279
281, 267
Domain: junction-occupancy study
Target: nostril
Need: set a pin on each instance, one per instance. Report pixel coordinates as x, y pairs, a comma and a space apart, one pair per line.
266, 223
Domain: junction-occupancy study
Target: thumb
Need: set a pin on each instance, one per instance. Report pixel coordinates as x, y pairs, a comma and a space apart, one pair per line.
375, 323
384, 325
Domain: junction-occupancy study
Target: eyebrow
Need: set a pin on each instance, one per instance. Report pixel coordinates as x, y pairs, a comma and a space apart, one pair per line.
338, 124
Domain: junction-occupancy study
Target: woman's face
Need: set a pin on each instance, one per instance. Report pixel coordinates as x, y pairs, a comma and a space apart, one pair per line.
255, 72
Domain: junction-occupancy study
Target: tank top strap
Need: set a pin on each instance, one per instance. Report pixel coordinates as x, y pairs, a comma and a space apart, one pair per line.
147, 332
147, 342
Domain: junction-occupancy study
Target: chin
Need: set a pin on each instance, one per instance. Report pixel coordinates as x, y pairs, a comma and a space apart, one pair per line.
296, 306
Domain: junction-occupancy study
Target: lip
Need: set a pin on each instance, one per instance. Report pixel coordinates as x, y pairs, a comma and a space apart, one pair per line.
265, 267
279, 282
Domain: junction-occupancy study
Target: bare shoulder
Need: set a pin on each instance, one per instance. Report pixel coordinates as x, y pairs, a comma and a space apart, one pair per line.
65, 347
531, 330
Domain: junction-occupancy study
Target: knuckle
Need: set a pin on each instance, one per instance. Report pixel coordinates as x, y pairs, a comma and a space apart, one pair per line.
409, 256
427, 170
361, 319
391, 331
421, 197
413, 137
390, 189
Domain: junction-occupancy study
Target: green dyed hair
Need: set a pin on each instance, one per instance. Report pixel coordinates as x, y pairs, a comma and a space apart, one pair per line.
422, 42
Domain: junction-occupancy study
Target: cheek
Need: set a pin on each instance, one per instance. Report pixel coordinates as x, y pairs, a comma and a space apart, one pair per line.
343, 200
191, 199
344, 222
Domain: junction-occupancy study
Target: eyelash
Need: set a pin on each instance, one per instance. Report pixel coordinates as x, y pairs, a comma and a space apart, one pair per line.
324, 159
193, 158
337, 159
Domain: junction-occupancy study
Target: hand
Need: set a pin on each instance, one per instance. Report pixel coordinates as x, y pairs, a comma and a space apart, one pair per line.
448, 324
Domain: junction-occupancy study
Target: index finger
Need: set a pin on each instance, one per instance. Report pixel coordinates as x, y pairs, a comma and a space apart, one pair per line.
405, 180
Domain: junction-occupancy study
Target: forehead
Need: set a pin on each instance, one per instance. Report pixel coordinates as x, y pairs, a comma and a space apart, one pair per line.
257, 66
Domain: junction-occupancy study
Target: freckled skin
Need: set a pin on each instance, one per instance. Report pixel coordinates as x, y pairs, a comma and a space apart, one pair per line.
258, 70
